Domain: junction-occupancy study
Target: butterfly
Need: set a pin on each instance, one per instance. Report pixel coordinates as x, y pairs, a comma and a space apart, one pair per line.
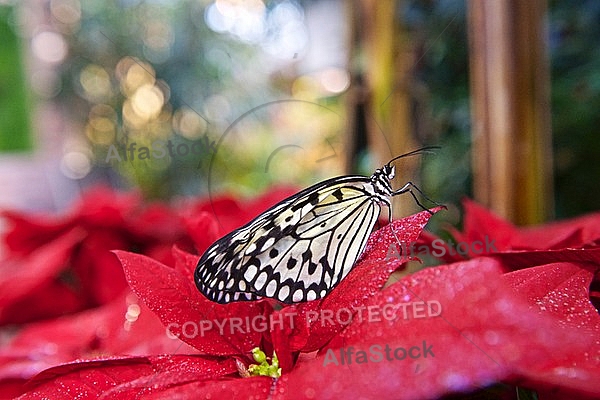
301, 248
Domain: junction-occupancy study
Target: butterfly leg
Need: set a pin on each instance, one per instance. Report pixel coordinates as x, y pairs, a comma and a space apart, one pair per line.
409, 187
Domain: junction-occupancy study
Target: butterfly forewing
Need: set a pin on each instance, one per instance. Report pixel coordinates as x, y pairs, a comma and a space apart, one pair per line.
296, 251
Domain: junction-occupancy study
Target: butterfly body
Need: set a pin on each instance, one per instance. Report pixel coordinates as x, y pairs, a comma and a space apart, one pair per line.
302, 247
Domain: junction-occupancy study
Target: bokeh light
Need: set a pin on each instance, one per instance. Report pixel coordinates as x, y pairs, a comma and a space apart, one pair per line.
49, 47
96, 83
179, 71
67, 12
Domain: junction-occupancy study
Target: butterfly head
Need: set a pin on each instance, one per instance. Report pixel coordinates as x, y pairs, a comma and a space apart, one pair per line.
389, 171
383, 176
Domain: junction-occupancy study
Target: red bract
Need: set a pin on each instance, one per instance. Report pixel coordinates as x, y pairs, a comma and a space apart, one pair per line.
209, 219
29, 281
127, 378
60, 265
182, 308
171, 293
368, 276
484, 334
124, 326
480, 222
83, 274
449, 329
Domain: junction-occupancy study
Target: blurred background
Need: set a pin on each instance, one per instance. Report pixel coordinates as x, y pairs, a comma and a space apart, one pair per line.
187, 97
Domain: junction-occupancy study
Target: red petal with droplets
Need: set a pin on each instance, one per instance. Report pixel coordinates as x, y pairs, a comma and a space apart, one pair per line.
201, 323
483, 334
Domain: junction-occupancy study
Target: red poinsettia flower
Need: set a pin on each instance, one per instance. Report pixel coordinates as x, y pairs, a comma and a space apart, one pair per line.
445, 329
123, 326
61, 266
227, 333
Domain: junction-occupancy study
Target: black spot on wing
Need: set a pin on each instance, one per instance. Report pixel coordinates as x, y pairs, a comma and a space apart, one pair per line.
338, 194
260, 242
312, 267
306, 256
312, 199
253, 261
326, 266
291, 263
269, 224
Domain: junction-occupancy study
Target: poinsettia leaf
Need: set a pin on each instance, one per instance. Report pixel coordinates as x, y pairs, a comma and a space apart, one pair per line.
483, 334
257, 388
63, 381
440, 249
172, 371
480, 223
10, 389
98, 272
101, 206
155, 222
124, 377
518, 259
204, 230
185, 264
27, 232
231, 214
201, 323
52, 300
566, 295
224, 209
561, 289
21, 276
125, 326
574, 232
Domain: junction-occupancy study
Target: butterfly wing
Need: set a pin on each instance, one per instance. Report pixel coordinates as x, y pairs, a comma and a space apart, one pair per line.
296, 251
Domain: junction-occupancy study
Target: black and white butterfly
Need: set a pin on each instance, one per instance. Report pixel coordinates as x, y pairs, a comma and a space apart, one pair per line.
302, 247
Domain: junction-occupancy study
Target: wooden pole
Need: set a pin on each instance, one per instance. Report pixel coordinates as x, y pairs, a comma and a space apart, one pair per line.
510, 103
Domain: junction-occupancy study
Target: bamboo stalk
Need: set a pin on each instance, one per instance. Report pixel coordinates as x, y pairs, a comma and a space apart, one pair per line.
510, 108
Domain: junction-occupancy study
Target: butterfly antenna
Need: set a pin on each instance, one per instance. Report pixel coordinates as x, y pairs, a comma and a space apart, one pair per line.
422, 150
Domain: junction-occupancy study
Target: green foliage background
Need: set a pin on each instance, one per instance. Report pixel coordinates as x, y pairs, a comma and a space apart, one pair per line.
15, 132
